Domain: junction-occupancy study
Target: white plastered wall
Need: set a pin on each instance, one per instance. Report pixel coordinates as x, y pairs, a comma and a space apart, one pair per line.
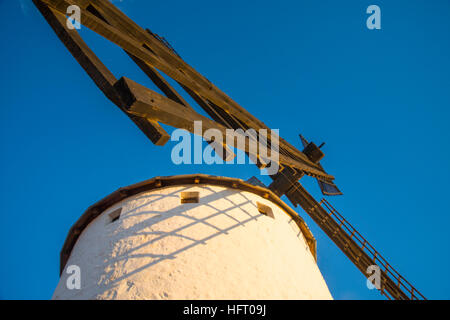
219, 248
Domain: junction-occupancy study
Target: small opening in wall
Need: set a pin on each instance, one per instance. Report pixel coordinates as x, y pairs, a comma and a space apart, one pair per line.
115, 215
265, 210
189, 197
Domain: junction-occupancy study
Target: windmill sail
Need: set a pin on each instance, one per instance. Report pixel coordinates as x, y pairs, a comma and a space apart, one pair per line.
147, 108
328, 188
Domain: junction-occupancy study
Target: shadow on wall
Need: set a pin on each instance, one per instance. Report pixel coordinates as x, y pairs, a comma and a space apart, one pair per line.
153, 228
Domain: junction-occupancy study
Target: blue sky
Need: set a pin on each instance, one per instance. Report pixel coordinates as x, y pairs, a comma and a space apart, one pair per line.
379, 99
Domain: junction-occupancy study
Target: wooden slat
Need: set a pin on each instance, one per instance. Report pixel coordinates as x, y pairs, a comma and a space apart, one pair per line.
150, 71
168, 62
160, 82
144, 102
98, 72
146, 107
341, 238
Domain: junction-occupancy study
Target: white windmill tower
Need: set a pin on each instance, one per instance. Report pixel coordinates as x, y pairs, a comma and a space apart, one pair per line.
191, 237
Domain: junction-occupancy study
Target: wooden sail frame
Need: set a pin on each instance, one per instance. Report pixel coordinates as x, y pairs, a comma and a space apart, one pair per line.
147, 108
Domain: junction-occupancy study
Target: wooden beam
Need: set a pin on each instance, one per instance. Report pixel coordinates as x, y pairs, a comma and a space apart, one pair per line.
144, 102
104, 13
159, 56
96, 70
284, 180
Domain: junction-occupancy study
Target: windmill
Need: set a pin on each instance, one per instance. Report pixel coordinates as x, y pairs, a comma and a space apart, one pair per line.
146, 108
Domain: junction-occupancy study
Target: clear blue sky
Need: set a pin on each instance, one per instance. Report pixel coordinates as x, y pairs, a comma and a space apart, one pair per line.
380, 99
